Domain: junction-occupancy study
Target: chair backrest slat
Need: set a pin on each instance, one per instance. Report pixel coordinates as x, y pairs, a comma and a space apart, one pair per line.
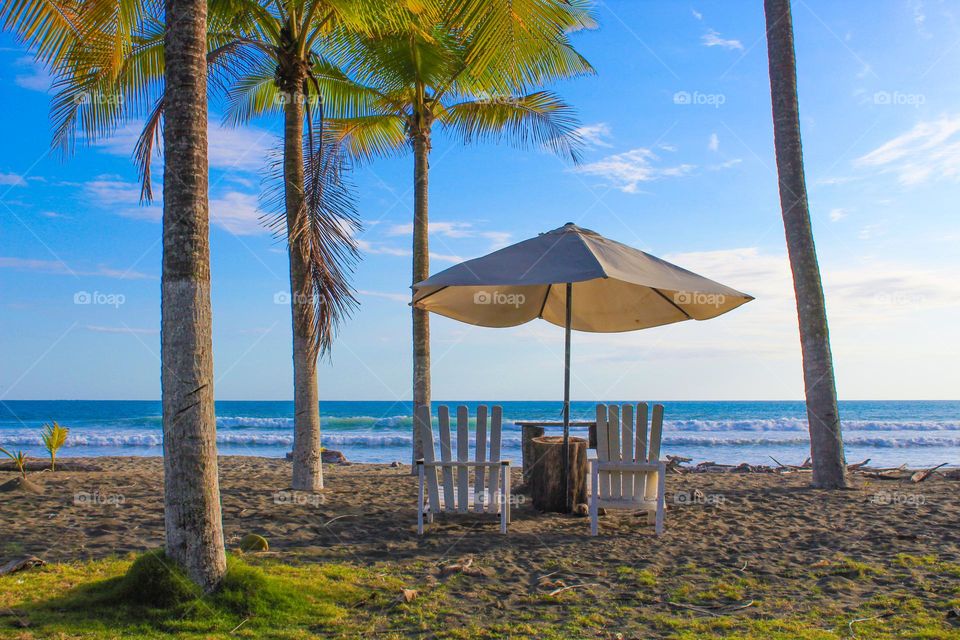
481, 456
656, 432
496, 418
463, 455
627, 452
642, 432
443, 418
422, 419
603, 448
613, 428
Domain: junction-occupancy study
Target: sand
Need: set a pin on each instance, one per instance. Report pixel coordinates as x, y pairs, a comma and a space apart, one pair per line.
765, 526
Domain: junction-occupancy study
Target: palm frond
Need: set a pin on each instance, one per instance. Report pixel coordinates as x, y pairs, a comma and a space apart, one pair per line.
539, 119
366, 138
330, 226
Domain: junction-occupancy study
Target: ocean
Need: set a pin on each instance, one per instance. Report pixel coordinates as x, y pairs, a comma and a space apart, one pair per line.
916, 433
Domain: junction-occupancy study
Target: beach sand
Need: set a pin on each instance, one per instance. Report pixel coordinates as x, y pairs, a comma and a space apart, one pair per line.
767, 537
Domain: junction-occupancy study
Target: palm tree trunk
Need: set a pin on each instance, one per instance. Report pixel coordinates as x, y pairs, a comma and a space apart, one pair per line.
421, 271
826, 440
191, 491
307, 463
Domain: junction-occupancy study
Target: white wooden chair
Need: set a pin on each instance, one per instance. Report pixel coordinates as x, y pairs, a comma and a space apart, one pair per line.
490, 492
627, 472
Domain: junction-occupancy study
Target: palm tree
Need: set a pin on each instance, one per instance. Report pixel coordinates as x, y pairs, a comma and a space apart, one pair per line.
92, 42
826, 440
467, 72
194, 531
262, 57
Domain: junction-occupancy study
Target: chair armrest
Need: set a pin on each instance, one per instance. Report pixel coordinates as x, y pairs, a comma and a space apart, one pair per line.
629, 466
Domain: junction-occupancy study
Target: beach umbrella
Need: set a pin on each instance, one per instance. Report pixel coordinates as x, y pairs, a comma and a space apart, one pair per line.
576, 279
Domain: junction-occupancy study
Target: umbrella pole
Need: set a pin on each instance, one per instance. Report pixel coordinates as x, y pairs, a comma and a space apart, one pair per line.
566, 399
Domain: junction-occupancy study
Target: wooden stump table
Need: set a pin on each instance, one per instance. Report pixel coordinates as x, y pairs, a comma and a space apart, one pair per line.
547, 490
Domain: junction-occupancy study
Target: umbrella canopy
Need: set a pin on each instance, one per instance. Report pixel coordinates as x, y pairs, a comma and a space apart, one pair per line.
576, 279
614, 287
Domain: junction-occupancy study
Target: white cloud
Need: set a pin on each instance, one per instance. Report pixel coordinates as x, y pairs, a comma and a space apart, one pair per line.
930, 151
235, 211
696, 14
837, 214
712, 39
396, 297
128, 330
244, 149
627, 170
34, 78
12, 179
595, 135
379, 248
919, 18
238, 213
453, 230
58, 267
714, 143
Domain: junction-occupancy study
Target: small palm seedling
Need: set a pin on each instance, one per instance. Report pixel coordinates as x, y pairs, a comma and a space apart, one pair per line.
19, 458
54, 436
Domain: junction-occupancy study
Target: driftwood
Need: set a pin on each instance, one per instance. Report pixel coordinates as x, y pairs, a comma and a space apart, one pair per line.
920, 476
19, 565
675, 464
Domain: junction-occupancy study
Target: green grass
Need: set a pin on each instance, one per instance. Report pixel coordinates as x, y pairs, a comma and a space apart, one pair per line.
263, 598
147, 598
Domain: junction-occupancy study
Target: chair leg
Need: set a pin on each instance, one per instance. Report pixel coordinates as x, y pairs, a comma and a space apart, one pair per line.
506, 484
420, 500
594, 498
661, 498
504, 509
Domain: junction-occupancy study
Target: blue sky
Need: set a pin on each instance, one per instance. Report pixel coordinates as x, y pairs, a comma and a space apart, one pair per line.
680, 165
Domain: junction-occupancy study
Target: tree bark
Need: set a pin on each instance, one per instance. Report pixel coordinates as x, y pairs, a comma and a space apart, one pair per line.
826, 440
307, 461
421, 271
548, 488
192, 517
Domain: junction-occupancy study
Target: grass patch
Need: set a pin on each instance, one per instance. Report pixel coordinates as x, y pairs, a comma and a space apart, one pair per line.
147, 597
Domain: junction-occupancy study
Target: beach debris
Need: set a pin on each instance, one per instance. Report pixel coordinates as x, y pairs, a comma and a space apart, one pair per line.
333, 456
920, 476
252, 543
408, 595
560, 590
876, 617
581, 509
674, 464
20, 564
21, 484
858, 465
716, 612
464, 566
396, 464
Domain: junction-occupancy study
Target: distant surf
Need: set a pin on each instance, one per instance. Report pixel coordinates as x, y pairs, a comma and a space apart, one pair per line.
911, 432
